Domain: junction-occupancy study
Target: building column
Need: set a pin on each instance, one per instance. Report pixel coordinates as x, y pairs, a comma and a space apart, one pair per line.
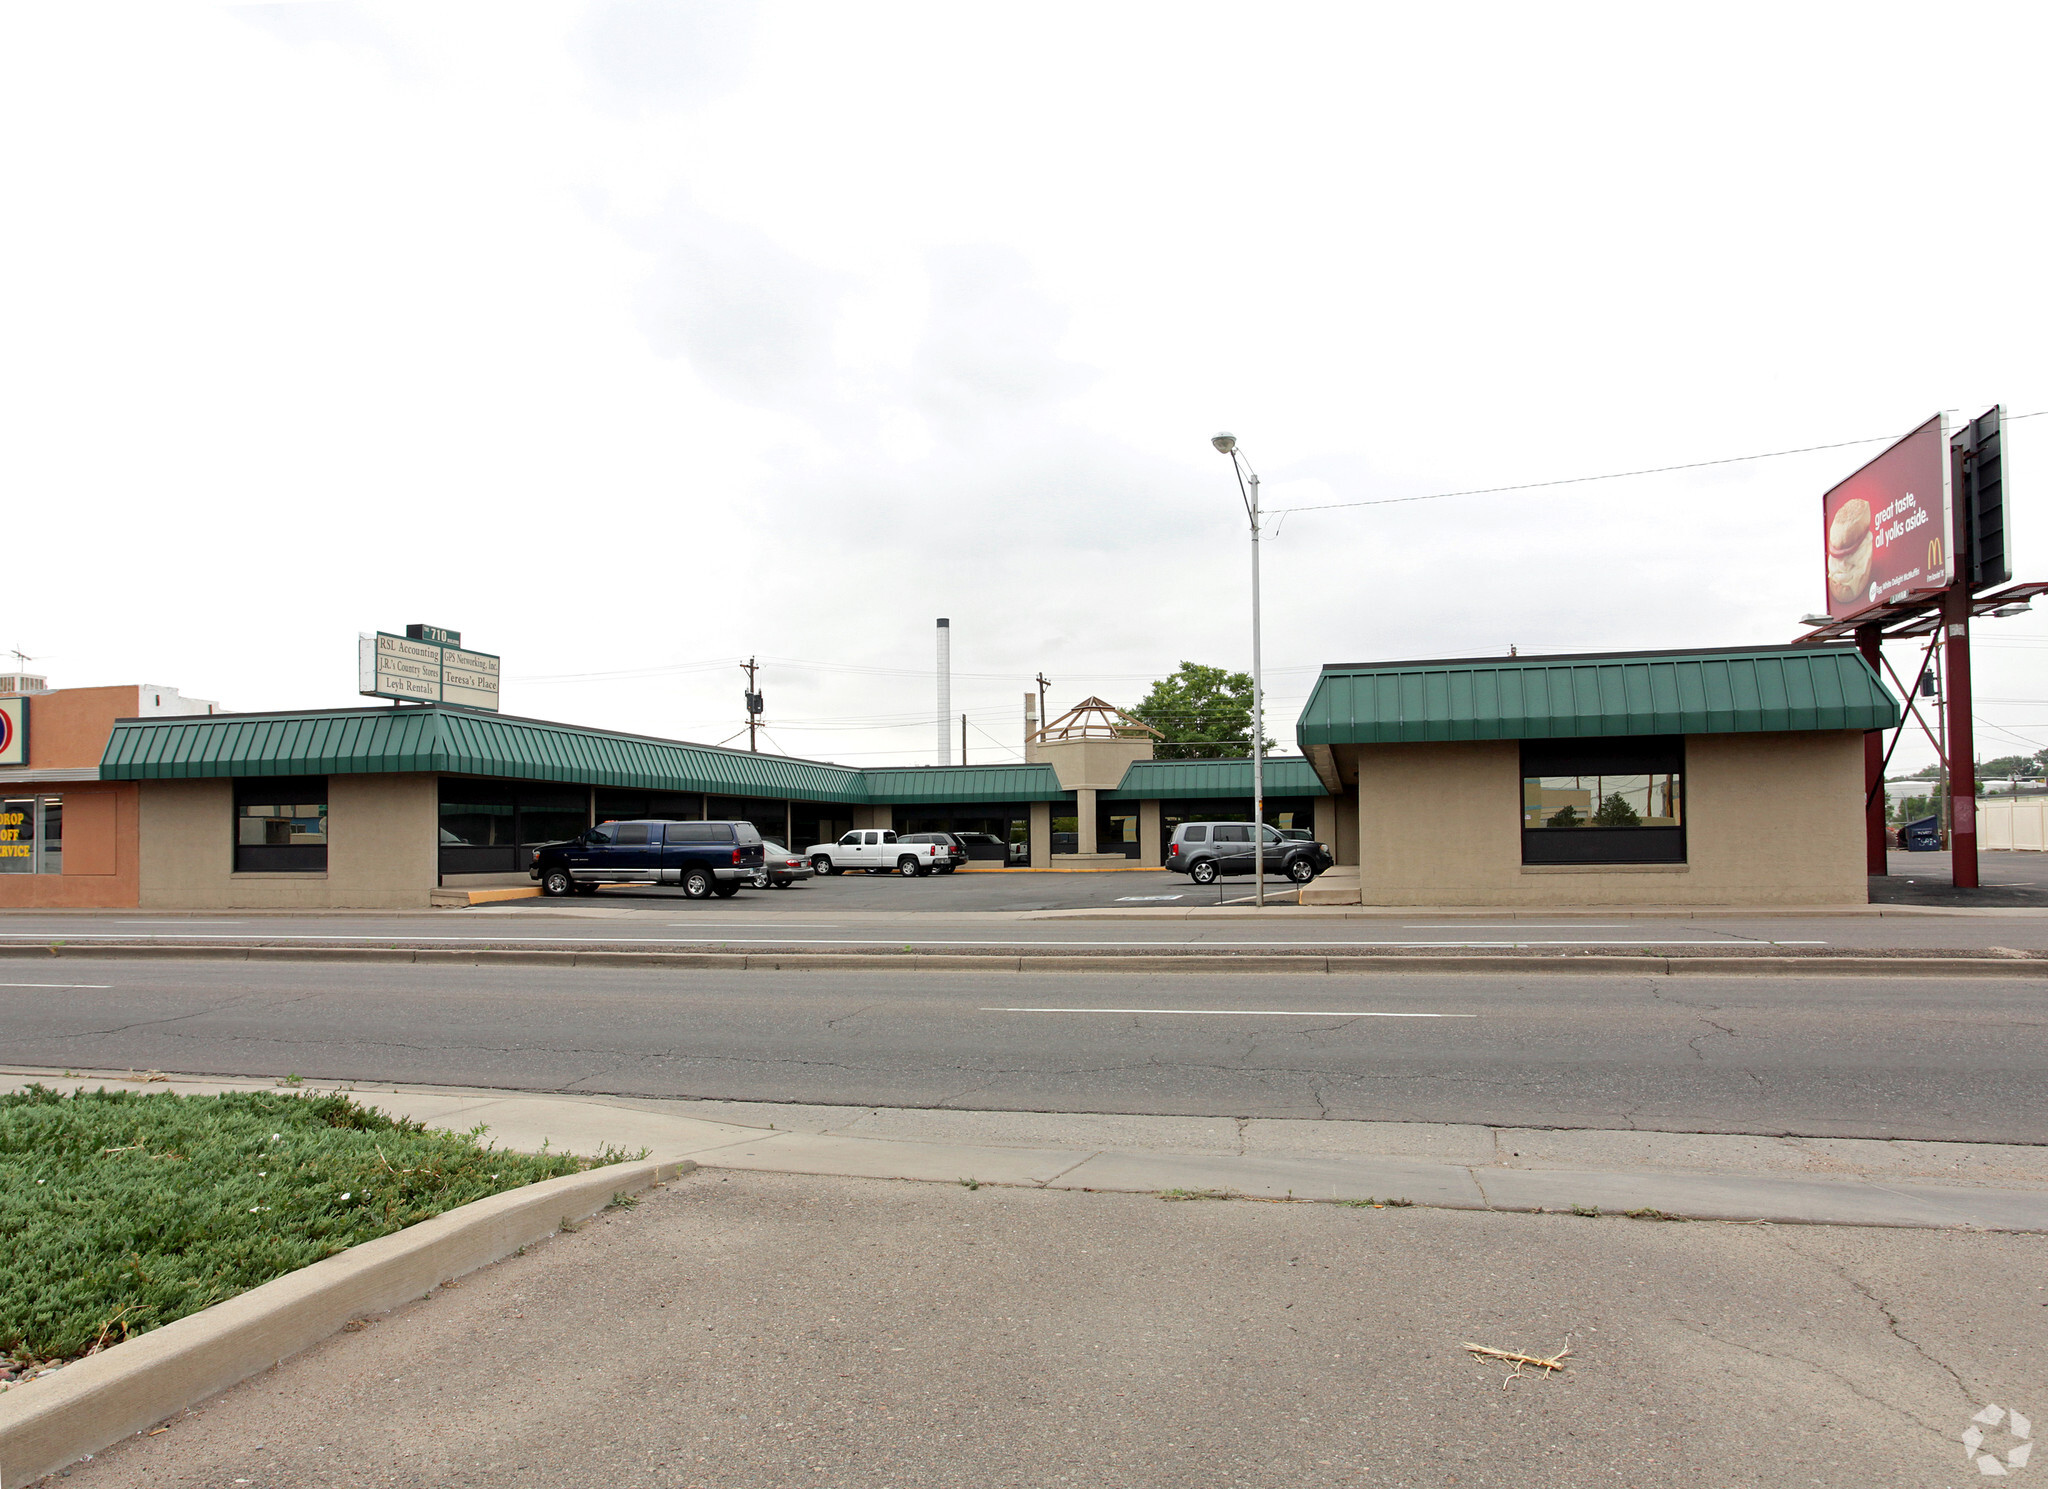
1150, 849
1084, 823
1326, 823
1041, 834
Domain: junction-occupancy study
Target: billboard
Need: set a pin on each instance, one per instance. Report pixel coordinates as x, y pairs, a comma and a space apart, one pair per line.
13, 731
1887, 527
420, 671
1983, 543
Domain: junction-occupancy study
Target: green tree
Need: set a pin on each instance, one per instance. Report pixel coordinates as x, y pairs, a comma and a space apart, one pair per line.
2005, 767
1566, 816
1616, 812
1203, 713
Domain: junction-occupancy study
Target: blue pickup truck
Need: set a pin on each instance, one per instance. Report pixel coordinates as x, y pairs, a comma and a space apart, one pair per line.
705, 858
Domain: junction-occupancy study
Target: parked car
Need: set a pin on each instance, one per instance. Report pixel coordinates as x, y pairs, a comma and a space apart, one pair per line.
877, 850
780, 867
984, 846
705, 858
956, 851
1205, 850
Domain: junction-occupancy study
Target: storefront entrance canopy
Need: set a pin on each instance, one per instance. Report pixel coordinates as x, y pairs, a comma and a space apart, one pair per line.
460, 742
1753, 690
1200, 780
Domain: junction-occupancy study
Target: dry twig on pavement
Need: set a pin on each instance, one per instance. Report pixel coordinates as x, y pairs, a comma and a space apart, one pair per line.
1554, 1362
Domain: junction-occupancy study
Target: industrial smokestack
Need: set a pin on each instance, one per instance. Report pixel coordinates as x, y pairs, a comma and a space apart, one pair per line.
945, 691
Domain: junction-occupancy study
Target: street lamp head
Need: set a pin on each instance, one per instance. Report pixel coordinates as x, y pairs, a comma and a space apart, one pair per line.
1224, 442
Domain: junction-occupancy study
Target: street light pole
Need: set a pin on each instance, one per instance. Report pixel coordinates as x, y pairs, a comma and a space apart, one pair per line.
1248, 488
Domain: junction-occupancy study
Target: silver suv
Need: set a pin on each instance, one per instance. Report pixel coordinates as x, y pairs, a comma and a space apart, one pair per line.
1206, 850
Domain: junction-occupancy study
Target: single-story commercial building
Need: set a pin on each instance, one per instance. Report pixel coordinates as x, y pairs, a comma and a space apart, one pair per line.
1653, 778
1665, 778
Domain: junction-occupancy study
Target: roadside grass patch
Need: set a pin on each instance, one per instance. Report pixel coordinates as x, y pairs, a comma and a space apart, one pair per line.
121, 1211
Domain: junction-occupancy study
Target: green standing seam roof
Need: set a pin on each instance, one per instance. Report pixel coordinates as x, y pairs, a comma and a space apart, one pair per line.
921, 785
1183, 780
1769, 689
393, 740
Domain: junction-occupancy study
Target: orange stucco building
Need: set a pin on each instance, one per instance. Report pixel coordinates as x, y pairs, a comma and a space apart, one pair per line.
69, 840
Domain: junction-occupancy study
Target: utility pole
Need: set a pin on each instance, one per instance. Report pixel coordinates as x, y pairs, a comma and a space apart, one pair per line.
1044, 682
754, 709
963, 739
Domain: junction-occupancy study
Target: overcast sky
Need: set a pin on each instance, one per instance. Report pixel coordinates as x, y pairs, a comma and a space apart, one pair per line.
633, 338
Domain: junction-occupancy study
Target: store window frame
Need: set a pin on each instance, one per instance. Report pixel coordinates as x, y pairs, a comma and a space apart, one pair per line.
260, 803
1660, 758
29, 846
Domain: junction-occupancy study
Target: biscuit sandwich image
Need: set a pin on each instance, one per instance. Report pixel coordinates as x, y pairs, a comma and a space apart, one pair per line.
1851, 542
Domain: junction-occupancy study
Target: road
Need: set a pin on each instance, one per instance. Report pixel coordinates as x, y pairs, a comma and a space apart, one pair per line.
756, 1331
924, 914
1828, 1056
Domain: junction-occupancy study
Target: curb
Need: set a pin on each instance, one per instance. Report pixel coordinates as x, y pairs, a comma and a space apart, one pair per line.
95, 1402
1571, 964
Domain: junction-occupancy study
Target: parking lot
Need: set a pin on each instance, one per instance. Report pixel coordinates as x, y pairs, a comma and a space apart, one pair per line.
974, 891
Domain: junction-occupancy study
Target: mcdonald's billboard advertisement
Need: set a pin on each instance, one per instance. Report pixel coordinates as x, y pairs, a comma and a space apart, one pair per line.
1887, 527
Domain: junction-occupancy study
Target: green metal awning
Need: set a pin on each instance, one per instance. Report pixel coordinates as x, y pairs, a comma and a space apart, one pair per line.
366, 741
456, 741
1182, 780
1729, 692
933, 785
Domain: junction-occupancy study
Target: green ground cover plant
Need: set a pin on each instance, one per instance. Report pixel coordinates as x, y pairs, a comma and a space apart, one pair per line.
120, 1211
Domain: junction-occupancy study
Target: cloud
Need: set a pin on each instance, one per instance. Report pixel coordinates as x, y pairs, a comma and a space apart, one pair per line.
667, 54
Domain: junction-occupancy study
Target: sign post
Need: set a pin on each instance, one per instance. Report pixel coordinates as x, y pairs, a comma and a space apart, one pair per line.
1959, 739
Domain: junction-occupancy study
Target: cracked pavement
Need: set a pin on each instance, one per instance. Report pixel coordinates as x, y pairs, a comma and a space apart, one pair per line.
1823, 1057
753, 1330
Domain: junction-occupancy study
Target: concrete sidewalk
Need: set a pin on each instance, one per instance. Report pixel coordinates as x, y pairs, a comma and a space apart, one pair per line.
1453, 1166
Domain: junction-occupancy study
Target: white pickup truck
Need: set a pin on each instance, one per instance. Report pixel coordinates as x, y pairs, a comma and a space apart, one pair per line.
877, 851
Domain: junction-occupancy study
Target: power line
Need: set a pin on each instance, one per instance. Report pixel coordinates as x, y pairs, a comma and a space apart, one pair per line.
1620, 475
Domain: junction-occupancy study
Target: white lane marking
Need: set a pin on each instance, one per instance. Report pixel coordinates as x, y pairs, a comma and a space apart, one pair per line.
801, 925
391, 938
1522, 926
1270, 1013
1136, 899
102, 986
180, 920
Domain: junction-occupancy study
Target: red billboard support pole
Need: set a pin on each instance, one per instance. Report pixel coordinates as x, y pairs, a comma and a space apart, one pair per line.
1962, 747
1870, 642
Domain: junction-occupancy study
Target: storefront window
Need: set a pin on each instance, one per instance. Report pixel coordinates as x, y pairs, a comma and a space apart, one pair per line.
18, 835
1066, 835
552, 816
1603, 801
50, 837
281, 825
1116, 828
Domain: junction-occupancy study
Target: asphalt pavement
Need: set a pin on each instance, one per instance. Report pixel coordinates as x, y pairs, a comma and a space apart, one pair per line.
745, 1330
1926, 1058
924, 917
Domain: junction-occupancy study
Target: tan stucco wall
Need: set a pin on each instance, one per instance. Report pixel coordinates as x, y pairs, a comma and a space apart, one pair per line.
1770, 819
382, 832
1098, 764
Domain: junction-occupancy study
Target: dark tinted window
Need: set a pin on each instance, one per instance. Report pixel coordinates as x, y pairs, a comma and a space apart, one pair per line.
746, 832
281, 825
599, 835
627, 834
1234, 833
888, 837
1195, 835
699, 832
